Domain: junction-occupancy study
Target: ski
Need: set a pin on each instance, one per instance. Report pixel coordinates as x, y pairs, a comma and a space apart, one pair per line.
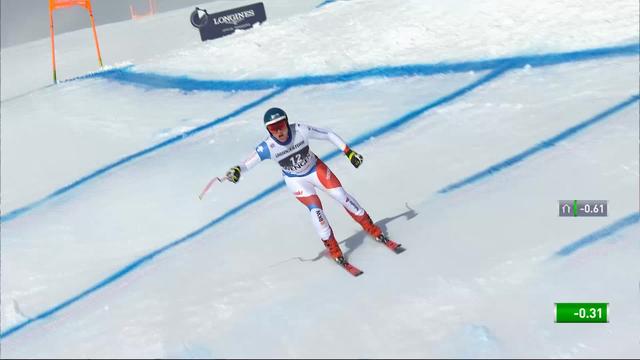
351, 269
392, 245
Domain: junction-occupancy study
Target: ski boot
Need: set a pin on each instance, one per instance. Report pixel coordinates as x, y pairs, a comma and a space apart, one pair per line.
367, 224
334, 249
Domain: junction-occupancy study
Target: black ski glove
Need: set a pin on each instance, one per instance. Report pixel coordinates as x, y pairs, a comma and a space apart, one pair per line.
355, 158
233, 174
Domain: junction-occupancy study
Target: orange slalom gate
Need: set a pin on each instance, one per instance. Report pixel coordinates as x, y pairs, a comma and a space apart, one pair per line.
60, 4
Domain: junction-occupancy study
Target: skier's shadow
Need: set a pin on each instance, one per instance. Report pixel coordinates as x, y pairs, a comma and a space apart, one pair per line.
354, 241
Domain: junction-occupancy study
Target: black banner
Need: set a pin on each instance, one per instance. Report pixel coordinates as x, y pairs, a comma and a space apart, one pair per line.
213, 26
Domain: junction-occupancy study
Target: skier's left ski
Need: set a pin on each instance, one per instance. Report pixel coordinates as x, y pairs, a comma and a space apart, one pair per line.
392, 245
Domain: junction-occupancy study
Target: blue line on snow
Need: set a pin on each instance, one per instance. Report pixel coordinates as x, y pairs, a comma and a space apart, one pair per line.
359, 140
628, 220
493, 169
152, 80
137, 263
17, 212
325, 2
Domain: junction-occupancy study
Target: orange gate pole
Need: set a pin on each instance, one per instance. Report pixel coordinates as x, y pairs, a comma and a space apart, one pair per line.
53, 47
95, 36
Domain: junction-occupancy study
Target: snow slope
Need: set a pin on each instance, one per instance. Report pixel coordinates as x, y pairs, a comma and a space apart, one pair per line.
464, 168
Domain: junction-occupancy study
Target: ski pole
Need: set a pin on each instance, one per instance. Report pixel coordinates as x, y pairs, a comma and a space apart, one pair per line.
206, 188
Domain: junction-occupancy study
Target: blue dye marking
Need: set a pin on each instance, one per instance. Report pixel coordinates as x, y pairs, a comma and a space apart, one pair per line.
592, 238
325, 2
493, 169
185, 83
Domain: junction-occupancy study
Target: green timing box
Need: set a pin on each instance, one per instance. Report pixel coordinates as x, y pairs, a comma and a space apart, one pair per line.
582, 312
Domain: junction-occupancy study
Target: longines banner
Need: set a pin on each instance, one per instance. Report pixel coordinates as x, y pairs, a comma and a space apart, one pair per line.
213, 26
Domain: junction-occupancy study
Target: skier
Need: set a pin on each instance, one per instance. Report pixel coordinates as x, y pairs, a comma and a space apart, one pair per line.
303, 171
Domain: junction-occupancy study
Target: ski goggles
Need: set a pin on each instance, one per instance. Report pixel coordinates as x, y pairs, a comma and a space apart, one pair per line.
277, 126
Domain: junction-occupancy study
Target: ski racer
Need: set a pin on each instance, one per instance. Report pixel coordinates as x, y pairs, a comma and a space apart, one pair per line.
303, 172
